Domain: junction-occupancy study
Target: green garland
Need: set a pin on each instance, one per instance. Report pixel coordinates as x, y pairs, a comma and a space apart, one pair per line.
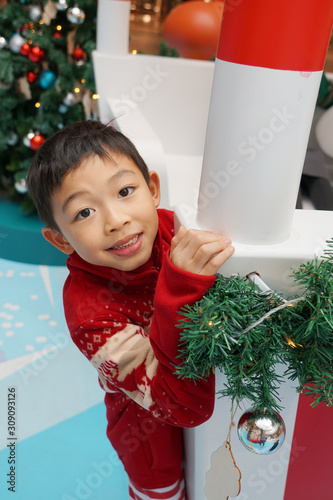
245, 333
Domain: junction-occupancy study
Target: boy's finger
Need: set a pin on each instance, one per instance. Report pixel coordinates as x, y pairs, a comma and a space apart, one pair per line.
214, 264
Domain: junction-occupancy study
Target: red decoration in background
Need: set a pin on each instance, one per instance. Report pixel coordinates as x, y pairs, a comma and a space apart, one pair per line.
78, 54
26, 26
25, 49
36, 141
31, 77
36, 54
193, 28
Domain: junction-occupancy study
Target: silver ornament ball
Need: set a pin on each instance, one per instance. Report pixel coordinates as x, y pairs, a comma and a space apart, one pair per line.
15, 43
70, 99
35, 13
261, 432
75, 15
61, 5
3, 42
28, 137
21, 186
12, 138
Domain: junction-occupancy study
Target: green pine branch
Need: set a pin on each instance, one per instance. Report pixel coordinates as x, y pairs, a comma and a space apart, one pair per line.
222, 331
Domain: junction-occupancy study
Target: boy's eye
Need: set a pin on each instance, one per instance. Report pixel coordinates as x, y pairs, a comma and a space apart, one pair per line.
84, 213
126, 191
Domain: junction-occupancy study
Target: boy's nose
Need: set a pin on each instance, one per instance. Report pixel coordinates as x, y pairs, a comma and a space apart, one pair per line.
115, 219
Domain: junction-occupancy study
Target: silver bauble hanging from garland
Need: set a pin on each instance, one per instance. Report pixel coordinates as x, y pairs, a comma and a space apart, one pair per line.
261, 432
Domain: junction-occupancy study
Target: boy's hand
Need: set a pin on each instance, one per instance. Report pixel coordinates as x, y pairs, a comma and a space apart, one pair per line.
200, 252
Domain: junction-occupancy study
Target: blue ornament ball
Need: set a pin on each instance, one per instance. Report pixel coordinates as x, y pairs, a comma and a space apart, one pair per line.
62, 109
47, 79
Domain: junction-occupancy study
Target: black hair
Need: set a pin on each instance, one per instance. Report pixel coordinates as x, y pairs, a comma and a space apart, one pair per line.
65, 150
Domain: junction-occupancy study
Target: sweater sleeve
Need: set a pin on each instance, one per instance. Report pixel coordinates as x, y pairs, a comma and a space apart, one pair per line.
142, 365
186, 403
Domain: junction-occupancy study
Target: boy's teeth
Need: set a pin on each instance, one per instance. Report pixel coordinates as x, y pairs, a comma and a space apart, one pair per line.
130, 242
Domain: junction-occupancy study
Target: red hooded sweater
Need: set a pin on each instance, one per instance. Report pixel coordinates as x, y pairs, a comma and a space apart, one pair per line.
124, 323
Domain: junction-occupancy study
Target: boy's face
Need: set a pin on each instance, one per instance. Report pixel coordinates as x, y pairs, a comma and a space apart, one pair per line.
106, 213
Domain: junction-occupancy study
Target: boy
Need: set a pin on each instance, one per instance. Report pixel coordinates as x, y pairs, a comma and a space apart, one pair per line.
128, 278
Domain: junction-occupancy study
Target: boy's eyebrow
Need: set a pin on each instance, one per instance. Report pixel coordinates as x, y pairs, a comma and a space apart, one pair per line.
72, 197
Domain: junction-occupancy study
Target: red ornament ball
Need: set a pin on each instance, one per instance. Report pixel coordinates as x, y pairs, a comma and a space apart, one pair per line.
31, 77
25, 49
57, 34
78, 54
36, 54
36, 141
26, 26
193, 28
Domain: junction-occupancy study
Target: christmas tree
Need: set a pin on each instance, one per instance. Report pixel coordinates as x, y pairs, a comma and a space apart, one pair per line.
46, 80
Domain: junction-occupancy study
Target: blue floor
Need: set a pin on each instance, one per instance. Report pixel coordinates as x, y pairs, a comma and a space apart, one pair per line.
53, 443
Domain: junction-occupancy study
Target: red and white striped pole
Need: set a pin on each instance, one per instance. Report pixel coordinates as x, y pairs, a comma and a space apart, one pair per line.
113, 18
268, 69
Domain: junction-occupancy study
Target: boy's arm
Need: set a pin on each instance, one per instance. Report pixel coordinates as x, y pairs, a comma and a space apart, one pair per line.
184, 402
195, 257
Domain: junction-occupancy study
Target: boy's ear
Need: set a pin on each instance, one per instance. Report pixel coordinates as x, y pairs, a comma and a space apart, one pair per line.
57, 240
154, 187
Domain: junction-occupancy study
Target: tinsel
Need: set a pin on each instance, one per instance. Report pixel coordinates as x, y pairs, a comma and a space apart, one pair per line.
245, 333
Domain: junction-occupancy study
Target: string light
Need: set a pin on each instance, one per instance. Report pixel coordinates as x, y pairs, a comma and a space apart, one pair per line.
292, 343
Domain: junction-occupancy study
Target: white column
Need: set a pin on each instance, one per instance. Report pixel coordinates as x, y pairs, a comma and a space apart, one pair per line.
113, 27
266, 80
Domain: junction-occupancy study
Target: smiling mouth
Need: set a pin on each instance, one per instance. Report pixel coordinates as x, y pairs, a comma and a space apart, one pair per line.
125, 245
